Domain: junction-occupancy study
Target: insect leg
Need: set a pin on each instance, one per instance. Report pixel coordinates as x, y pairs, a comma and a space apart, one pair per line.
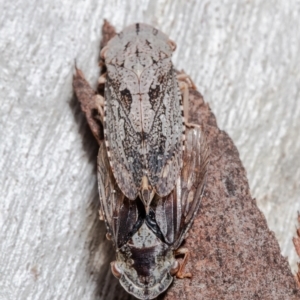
103, 52
99, 100
181, 274
99, 105
186, 78
102, 79
186, 83
172, 45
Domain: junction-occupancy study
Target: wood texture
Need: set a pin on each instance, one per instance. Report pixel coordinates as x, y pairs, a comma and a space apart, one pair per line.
243, 57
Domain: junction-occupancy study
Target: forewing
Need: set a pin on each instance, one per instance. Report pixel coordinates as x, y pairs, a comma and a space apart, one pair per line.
164, 139
122, 141
175, 212
153, 146
120, 213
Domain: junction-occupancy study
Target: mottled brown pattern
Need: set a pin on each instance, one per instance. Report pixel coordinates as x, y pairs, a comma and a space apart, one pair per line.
296, 241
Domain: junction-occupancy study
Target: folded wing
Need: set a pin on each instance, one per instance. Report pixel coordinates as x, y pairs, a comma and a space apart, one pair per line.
175, 213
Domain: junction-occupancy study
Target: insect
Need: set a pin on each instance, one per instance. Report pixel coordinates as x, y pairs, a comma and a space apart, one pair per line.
150, 187
142, 112
147, 243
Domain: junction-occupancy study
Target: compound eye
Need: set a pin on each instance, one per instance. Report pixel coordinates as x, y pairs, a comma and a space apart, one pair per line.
174, 268
117, 272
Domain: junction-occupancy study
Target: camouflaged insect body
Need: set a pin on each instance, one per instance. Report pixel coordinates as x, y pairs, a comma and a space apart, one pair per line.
150, 189
146, 242
143, 122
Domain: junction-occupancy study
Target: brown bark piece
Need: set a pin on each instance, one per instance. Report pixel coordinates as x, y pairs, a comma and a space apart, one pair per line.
296, 241
86, 96
233, 254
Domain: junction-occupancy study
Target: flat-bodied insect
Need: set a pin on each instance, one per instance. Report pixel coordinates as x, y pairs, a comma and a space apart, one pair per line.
146, 243
150, 166
142, 112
